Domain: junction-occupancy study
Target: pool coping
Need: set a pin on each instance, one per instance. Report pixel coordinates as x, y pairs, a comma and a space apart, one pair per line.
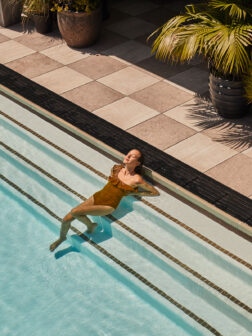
186, 182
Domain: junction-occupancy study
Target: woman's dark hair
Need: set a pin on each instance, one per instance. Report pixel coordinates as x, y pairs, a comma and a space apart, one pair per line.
139, 169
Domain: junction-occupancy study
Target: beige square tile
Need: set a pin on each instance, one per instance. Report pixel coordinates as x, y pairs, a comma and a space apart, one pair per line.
186, 114
130, 51
12, 31
161, 131
92, 96
194, 79
66, 55
38, 41
132, 27
248, 152
161, 96
12, 50
3, 38
97, 66
134, 7
125, 113
235, 172
128, 80
61, 80
33, 65
201, 152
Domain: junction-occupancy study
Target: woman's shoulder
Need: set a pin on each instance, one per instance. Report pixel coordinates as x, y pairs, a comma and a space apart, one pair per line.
116, 168
138, 179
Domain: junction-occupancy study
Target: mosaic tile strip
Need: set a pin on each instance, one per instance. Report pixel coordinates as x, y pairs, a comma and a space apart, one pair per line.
147, 241
162, 212
118, 262
183, 175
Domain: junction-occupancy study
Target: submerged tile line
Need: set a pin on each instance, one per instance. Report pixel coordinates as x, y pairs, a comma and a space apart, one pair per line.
188, 312
154, 207
135, 233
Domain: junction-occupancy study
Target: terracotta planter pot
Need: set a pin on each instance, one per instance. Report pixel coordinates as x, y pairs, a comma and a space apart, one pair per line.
80, 29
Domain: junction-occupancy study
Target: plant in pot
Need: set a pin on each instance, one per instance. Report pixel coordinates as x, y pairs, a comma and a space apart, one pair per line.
221, 31
39, 12
10, 12
248, 86
79, 21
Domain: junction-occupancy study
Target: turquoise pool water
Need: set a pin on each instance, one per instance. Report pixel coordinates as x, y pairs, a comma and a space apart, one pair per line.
69, 293
80, 291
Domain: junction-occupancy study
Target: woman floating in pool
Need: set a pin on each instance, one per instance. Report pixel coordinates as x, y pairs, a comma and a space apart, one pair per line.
124, 180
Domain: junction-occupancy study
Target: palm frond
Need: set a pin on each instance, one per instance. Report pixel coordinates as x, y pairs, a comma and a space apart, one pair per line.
234, 8
216, 35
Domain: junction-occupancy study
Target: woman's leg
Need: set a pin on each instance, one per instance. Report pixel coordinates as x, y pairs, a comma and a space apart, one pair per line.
80, 212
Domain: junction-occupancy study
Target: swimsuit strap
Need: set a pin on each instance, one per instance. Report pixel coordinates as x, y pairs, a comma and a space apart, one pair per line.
114, 179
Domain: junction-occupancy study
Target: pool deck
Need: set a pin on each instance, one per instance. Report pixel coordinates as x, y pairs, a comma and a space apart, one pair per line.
119, 80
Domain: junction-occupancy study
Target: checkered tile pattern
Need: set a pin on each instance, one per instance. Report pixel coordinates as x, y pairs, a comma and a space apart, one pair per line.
119, 79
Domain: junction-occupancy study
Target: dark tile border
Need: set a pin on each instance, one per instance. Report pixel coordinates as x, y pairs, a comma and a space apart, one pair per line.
185, 176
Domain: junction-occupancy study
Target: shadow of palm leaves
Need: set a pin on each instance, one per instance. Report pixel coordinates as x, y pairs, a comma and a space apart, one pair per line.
235, 133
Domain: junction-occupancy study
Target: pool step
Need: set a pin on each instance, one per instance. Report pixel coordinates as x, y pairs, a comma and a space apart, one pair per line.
160, 231
126, 248
215, 310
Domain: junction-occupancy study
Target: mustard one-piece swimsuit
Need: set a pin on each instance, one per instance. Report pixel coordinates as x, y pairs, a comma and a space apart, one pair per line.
114, 190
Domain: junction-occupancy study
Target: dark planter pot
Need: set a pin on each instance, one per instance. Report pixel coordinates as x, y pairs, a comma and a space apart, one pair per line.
105, 11
228, 97
43, 24
9, 13
80, 29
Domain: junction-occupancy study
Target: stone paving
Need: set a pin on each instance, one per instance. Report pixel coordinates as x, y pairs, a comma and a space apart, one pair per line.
120, 80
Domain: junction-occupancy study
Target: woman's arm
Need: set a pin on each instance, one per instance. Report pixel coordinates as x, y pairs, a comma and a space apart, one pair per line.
148, 190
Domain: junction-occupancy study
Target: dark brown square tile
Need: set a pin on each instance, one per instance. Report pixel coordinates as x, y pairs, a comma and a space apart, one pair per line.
158, 16
161, 69
92, 96
40, 42
108, 40
161, 131
3, 38
115, 15
235, 173
161, 96
97, 66
33, 65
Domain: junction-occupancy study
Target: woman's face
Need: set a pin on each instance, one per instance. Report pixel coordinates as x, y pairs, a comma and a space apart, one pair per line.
132, 158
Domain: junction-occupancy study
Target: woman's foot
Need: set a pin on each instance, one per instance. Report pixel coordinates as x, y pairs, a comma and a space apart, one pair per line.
54, 245
92, 228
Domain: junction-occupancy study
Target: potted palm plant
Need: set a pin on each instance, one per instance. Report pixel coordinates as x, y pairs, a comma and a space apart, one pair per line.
79, 21
221, 31
248, 85
39, 12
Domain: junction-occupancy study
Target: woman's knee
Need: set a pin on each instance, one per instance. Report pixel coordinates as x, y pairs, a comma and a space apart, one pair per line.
68, 217
77, 212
